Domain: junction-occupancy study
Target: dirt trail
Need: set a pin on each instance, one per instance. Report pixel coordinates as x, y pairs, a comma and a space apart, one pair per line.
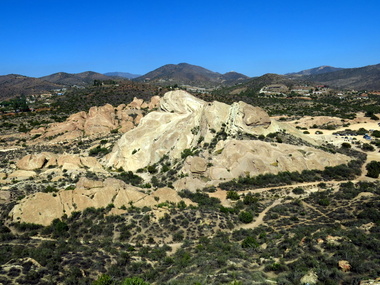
260, 219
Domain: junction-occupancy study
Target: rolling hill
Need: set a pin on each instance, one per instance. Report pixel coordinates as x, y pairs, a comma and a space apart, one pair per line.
314, 71
69, 79
13, 85
362, 78
187, 74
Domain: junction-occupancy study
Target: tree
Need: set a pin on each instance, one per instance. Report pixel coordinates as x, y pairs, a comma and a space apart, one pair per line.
373, 169
246, 217
233, 195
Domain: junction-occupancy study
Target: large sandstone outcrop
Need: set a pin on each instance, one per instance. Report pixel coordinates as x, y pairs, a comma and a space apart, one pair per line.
43, 208
179, 124
235, 158
98, 121
239, 158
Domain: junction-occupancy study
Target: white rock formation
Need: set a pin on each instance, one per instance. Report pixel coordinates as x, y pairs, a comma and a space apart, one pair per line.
181, 121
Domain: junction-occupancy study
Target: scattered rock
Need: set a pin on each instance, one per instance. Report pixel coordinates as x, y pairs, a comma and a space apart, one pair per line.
310, 278
344, 265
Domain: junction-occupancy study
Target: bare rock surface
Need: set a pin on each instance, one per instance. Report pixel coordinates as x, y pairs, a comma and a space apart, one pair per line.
22, 174
43, 208
181, 121
97, 121
64, 161
37, 161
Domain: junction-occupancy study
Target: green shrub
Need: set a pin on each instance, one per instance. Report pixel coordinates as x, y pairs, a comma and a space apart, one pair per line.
103, 280
233, 195
298, 191
98, 151
367, 147
249, 242
246, 217
346, 145
373, 169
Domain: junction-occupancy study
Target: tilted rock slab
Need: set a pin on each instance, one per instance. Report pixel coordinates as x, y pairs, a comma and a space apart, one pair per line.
253, 157
43, 208
181, 121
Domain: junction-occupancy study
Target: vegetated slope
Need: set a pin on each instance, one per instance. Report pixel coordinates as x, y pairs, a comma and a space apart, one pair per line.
285, 235
81, 79
362, 78
122, 74
325, 236
13, 85
76, 100
315, 71
187, 74
254, 85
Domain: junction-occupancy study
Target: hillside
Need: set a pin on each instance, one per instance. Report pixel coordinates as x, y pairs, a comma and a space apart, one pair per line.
83, 99
175, 190
14, 85
187, 74
80, 79
253, 85
315, 71
362, 78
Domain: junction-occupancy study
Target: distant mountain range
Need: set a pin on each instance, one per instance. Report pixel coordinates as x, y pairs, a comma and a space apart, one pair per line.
187, 74
122, 74
363, 78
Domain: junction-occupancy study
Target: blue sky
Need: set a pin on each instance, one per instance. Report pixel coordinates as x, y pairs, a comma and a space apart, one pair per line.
41, 37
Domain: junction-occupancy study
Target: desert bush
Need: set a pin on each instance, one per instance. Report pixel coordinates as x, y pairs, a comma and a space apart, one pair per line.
233, 195
298, 191
246, 217
249, 242
367, 147
373, 169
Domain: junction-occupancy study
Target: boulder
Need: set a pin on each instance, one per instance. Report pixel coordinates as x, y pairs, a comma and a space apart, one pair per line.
254, 116
37, 161
197, 164
100, 120
22, 174
4, 196
344, 265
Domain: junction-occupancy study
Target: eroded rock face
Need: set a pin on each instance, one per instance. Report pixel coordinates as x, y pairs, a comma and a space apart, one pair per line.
241, 157
98, 121
37, 161
181, 122
64, 161
197, 164
43, 208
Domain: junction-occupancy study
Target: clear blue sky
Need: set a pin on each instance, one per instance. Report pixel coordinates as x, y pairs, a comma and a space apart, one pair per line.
41, 37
